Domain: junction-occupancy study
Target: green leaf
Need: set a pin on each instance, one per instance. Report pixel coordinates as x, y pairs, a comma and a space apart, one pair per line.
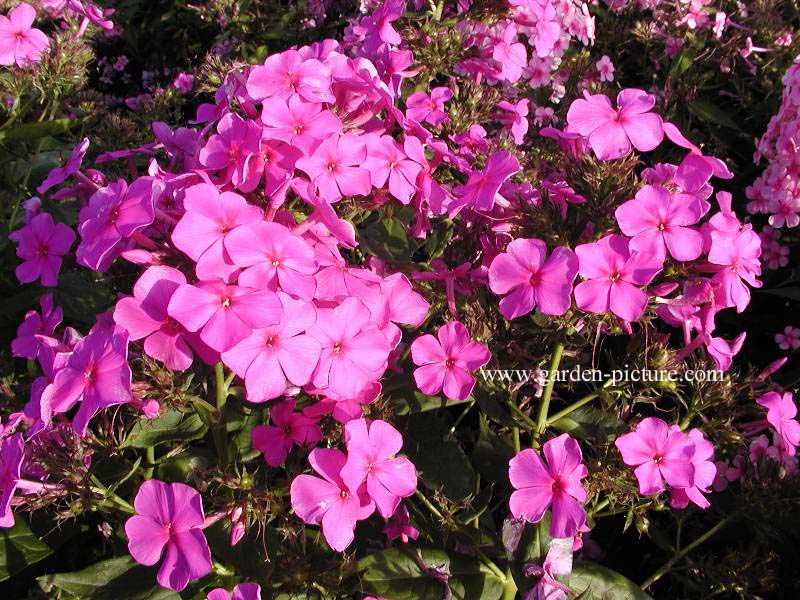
682, 63
708, 111
590, 423
33, 131
172, 426
387, 239
397, 574
112, 579
20, 546
596, 582
491, 455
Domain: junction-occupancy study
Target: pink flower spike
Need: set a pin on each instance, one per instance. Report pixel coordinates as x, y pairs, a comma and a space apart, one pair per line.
20, 43
511, 55
168, 522
659, 454
289, 428
328, 500
446, 361
371, 449
658, 222
335, 168
781, 413
612, 132
12, 451
530, 278
399, 528
613, 275
42, 243
551, 483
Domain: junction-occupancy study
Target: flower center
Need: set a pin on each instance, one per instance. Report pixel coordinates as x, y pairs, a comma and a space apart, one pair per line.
337, 347
661, 227
331, 167
449, 363
226, 302
613, 277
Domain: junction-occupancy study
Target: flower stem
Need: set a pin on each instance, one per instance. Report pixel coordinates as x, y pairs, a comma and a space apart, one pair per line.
544, 407
150, 456
219, 429
679, 555
572, 407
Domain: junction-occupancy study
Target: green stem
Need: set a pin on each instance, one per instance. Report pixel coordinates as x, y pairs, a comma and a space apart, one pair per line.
509, 586
679, 555
572, 407
219, 430
544, 407
150, 456
522, 415
429, 505
222, 389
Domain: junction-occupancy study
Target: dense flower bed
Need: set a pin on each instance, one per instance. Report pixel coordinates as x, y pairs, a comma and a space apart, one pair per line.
452, 303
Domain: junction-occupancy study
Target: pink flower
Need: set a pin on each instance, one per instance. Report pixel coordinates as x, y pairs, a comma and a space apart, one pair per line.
236, 148
184, 83
12, 451
659, 454
20, 43
658, 221
611, 132
288, 73
446, 361
273, 357
60, 174
169, 523
735, 258
554, 482
354, 351
35, 326
210, 216
781, 413
301, 124
145, 316
242, 591
371, 449
329, 501
398, 527
511, 55
548, 29
612, 275
289, 428
483, 186
790, 338
606, 69
386, 160
705, 471
531, 279
429, 109
516, 118
272, 256
41, 244
335, 167
224, 314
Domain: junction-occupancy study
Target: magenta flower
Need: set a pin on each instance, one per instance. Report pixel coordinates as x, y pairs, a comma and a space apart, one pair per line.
35, 326
354, 351
429, 109
145, 316
335, 167
530, 278
289, 428
288, 73
398, 526
97, 374
660, 454
242, 591
705, 471
12, 451
613, 275
73, 165
378, 25
235, 149
483, 186
511, 54
553, 483
302, 124
446, 361
612, 132
371, 450
20, 43
387, 161
657, 221
735, 258
114, 214
273, 357
329, 501
273, 256
515, 117
41, 244
781, 413
169, 523
210, 216
224, 314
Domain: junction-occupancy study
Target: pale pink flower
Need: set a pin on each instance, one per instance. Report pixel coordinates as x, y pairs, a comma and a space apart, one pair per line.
705, 471
20, 43
288, 428
336, 168
790, 338
606, 69
781, 413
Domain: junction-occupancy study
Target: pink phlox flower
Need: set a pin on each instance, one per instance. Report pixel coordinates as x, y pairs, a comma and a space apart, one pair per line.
223, 314
184, 82
705, 471
398, 527
660, 455
72, 166
35, 326
232, 151
735, 258
483, 187
516, 118
529, 278
201, 232
404, 305
512, 55
612, 132
20, 43
371, 457
377, 27
554, 483
12, 452
605, 68
657, 222
429, 109
387, 161
289, 73
304, 125
548, 29
446, 361
288, 428
613, 275
455, 280
242, 591
557, 562
781, 413
41, 245
336, 168
328, 500
169, 522
274, 357
790, 338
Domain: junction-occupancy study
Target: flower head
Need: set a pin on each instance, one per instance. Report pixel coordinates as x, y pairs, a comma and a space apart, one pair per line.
20, 43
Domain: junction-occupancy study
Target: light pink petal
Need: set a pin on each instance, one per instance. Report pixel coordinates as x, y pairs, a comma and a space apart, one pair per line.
568, 516
146, 539
530, 503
